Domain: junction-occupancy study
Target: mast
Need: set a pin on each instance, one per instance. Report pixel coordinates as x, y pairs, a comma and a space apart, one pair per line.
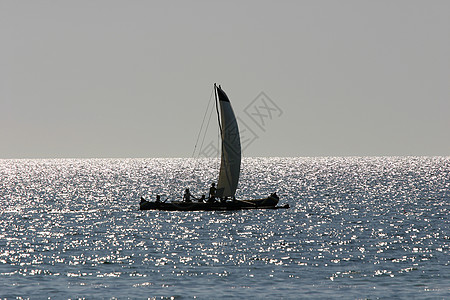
217, 108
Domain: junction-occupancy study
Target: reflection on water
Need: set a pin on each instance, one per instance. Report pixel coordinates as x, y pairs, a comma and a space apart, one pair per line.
357, 227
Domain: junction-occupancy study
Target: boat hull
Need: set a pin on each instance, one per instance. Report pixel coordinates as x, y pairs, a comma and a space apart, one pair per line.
264, 203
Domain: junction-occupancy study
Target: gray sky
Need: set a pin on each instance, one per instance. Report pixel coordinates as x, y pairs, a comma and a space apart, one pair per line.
133, 78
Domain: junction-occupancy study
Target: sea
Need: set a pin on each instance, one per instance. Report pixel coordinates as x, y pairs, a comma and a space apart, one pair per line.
357, 228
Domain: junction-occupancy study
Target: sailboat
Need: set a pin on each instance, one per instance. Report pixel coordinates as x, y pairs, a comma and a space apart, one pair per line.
230, 166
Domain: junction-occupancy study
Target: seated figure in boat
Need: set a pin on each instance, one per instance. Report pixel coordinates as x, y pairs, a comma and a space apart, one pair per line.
202, 199
212, 193
187, 196
158, 199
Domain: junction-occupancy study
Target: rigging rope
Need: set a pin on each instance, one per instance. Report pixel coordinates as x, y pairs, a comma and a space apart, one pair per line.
206, 130
194, 177
203, 121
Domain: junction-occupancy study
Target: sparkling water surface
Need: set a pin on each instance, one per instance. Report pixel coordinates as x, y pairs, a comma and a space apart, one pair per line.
357, 228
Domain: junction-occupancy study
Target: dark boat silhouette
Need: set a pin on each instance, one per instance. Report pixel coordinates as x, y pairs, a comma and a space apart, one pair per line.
230, 166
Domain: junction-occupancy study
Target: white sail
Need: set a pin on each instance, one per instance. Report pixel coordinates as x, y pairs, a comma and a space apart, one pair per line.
230, 165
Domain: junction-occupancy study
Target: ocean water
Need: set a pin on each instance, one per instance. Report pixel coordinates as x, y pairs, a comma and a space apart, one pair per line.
375, 227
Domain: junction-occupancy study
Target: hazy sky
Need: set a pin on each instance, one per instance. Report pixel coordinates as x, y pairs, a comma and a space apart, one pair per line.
133, 78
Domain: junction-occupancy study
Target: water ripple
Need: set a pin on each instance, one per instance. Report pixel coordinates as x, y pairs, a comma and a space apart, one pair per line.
357, 227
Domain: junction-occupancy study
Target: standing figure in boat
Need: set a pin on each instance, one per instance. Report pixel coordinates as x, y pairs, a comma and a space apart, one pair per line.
212, 193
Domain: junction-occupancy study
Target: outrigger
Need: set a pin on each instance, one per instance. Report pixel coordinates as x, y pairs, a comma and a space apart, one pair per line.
230, 165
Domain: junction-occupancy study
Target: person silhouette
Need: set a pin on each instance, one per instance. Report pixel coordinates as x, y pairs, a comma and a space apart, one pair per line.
187, 196
212, 192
